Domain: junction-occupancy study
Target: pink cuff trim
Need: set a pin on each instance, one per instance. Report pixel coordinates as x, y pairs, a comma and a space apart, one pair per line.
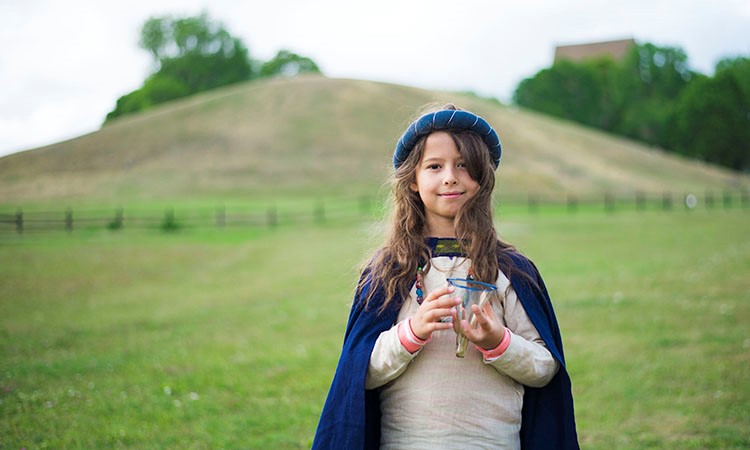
408, 339
493, 354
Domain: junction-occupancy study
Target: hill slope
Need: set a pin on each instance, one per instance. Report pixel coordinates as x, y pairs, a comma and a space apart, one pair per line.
320, 135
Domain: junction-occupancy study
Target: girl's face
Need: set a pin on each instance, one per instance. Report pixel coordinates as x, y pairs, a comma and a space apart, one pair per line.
443, 183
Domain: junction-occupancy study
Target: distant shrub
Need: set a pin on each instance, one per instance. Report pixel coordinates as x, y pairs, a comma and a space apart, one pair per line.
169, 224
117, 222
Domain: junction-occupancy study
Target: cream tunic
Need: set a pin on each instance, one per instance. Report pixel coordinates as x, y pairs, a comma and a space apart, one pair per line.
433, 400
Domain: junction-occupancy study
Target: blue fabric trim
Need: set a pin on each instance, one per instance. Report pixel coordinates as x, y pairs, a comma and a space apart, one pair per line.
447, 119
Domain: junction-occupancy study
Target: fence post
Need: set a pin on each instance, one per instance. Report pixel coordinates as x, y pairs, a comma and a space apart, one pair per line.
640, 201
533, 203
69, 220
666, 201
169, 224
272, 217
320, 212
709, 199
221, 216
119, 217
19, 221
609, 203
572, 203
727, 199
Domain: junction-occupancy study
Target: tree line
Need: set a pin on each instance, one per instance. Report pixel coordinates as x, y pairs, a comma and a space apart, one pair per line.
195, 54
651, 95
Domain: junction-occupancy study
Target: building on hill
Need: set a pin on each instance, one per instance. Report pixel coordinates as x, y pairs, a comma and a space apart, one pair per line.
579, 52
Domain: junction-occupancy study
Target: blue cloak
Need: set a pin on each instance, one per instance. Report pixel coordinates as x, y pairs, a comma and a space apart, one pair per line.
351, 414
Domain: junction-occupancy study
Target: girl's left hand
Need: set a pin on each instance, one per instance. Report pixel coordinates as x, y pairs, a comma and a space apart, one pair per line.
487, 331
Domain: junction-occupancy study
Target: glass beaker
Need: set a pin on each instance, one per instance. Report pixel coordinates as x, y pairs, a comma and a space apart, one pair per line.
471, 292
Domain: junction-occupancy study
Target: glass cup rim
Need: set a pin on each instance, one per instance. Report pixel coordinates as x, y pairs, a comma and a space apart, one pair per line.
465, 283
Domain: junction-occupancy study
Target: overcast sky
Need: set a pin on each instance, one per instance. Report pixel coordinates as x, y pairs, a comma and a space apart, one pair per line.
64, 63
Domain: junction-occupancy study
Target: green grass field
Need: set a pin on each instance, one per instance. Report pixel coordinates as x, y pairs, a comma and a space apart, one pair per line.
213, 338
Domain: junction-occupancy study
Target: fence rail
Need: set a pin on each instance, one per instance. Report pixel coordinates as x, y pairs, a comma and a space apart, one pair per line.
320, 212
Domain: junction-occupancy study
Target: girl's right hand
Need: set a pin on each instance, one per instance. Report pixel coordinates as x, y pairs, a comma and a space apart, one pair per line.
434, 307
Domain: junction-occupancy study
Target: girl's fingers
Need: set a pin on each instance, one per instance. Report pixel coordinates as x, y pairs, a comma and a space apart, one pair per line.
445, 302
441, 325
437, 293
488, 311
437, 314
431, 315
478, 320
427, 328
484, 316
474, 332
468, 331
484, 327
456, 323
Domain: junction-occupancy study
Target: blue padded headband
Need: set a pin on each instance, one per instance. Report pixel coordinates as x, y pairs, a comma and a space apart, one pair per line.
447, 119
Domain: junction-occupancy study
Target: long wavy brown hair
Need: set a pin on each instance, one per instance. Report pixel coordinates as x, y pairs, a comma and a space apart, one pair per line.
393, 268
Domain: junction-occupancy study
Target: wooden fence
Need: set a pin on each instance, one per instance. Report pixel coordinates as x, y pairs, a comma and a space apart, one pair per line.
337, 211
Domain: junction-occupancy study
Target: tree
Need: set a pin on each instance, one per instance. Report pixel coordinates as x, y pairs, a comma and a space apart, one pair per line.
713, 116
587, 92
289, 64
190, 55
739, 69
569, 90
634, 97
651, 79
168, 38
154, 36
194, 54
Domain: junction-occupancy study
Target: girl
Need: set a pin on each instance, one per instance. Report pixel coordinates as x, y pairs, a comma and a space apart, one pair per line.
398, 384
